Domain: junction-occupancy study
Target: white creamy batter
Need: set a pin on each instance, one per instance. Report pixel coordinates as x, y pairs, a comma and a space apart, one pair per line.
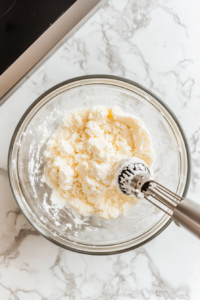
82, 154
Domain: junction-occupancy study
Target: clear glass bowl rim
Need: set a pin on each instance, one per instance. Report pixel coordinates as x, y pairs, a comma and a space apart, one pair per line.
86, 77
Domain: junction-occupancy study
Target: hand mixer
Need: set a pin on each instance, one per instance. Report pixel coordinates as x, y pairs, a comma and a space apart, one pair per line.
133, 177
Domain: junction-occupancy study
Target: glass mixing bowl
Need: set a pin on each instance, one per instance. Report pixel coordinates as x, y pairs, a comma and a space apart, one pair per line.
26, 165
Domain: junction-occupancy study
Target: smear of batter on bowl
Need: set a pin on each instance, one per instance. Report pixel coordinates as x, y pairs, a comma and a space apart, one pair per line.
82, 154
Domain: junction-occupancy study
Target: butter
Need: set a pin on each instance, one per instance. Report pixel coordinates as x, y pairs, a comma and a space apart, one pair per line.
82, 154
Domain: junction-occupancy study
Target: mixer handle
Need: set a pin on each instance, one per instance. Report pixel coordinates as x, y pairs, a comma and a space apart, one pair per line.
187, 214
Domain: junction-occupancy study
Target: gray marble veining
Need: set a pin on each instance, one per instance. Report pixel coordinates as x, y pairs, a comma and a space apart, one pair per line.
155, 43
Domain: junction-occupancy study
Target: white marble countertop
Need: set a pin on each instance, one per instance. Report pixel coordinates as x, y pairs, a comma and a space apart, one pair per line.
157, 44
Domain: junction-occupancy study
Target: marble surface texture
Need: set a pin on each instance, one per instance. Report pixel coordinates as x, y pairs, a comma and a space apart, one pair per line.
157, 44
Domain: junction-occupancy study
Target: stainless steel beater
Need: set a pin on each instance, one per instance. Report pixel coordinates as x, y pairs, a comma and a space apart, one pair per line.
133, 177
